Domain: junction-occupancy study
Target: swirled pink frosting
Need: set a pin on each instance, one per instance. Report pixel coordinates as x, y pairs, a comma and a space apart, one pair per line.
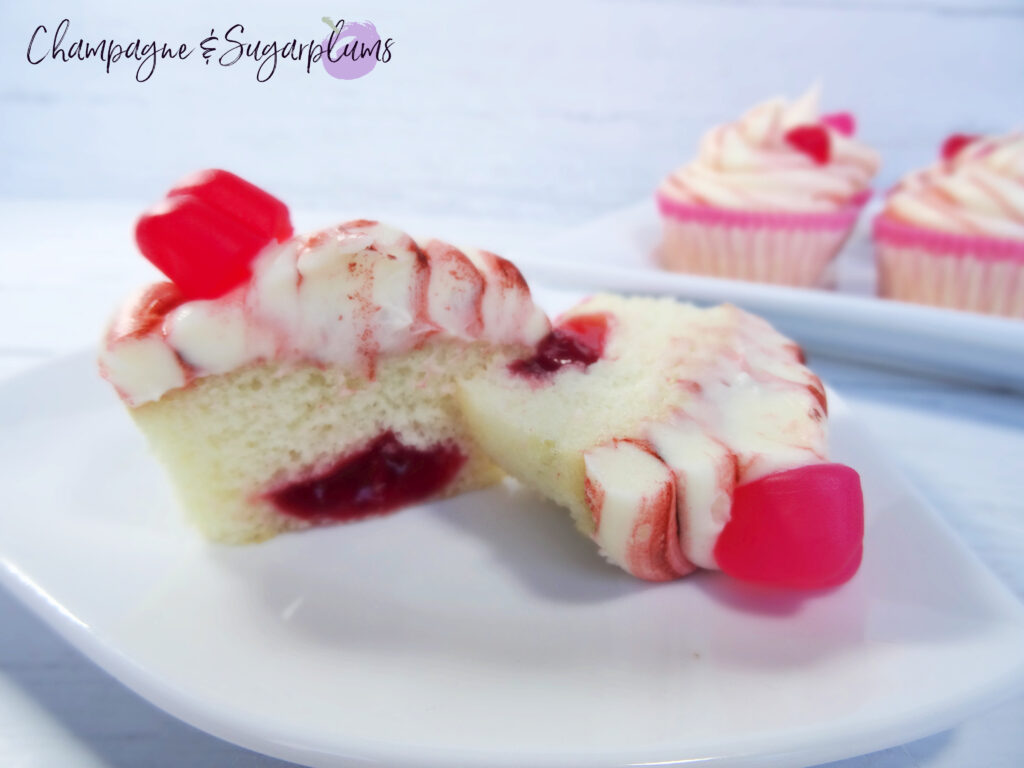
752, 164
979, 190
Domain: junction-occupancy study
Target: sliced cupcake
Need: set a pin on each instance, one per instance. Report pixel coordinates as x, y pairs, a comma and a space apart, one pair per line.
293, 381
678, 438
952, 235
770, 198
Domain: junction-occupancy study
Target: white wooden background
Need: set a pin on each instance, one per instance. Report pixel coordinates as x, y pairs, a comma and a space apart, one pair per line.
549, 110
498, 124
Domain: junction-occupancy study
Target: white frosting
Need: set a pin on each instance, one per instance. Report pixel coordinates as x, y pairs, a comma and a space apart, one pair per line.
343, 297
506, 300
748, 165
980, 191
743, 406
705, 471
453, 303
633, 497
142, 369
214, 336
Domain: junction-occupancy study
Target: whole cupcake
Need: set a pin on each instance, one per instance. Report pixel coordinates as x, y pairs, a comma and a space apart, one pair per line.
771, 197
952, 235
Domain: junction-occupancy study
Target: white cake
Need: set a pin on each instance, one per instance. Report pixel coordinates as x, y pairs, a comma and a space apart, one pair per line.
644, 417
324, 388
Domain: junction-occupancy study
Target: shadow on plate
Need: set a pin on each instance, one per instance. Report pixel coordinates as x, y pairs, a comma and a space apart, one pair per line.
502, 576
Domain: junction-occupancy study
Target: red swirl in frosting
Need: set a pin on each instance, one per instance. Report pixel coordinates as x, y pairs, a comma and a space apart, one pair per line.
780, 156
977, 190
343, 296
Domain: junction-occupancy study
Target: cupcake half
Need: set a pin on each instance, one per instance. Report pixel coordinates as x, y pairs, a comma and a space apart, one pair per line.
952, 235
291, 381
771, 197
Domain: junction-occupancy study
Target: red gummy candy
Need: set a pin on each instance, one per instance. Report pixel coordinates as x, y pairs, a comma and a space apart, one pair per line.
204, 251
240, 199
812, 140
204, 235
802, 528
843, 122
953, 144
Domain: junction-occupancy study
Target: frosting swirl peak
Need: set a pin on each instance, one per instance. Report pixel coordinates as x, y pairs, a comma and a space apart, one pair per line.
978, 189
780, 156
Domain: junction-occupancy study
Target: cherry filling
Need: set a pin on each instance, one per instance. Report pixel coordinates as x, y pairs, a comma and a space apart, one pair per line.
383, 476
578, 341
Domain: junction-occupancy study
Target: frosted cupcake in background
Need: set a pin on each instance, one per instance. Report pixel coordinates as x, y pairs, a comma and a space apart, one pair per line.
770, 198
952, 235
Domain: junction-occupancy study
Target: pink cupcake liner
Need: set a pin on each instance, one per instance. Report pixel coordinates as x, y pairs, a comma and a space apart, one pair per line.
766, 247
943, 269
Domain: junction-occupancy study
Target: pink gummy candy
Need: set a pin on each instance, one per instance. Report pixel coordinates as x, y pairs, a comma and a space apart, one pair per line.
801, 528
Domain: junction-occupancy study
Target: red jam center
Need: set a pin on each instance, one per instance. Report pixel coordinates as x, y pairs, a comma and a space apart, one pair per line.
381, 477
578, 341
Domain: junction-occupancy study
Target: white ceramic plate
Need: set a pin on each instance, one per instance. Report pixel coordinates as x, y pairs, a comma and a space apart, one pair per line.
616, 253
483, 631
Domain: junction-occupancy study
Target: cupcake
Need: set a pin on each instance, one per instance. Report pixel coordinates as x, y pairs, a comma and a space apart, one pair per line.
770, 198
287, 381
952, 235
677, 438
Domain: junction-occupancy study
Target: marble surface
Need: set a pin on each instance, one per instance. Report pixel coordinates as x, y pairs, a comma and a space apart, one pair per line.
492, 126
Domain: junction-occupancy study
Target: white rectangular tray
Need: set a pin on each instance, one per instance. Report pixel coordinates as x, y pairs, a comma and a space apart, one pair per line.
616, 253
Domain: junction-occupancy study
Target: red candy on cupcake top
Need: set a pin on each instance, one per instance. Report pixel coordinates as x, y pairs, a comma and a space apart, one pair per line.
843, 122
206, 232
954, 143
814, 140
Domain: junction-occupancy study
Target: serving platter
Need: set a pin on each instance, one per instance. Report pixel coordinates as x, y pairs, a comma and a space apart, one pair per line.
617, 252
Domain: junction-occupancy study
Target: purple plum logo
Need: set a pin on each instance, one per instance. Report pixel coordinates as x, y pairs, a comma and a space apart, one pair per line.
352, 49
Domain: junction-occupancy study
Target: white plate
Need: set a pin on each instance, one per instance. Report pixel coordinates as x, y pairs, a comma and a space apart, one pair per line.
483, 631
616, 253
